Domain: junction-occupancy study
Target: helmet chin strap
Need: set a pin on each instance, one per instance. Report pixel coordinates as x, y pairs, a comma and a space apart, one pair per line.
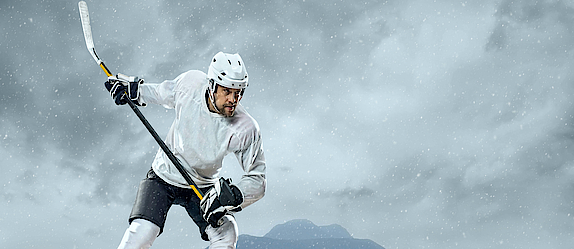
212, 95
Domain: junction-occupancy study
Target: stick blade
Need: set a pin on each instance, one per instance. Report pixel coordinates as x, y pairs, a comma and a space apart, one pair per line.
87, 28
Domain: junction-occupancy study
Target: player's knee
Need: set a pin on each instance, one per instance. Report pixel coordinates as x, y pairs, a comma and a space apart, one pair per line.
140, 234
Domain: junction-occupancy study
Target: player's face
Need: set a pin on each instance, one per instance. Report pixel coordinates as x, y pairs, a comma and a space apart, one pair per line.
226, 100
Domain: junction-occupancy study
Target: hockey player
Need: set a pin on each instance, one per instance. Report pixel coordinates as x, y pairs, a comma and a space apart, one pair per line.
209, 123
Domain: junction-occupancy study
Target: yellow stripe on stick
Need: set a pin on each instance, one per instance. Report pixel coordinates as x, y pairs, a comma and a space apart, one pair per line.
108, 73
196, 192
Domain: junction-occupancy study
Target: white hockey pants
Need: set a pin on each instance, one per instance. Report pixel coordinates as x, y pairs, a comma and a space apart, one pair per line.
142, 233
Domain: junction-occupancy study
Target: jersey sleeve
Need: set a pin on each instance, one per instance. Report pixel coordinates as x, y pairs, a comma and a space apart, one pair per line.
252, 160
162, 94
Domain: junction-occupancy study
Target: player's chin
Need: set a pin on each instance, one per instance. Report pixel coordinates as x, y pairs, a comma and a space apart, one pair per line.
228, 111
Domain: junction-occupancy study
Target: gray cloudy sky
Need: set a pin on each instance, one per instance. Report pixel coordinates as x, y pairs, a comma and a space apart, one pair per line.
416, 124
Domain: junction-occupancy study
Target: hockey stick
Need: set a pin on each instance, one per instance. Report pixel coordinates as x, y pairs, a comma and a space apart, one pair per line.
85, 18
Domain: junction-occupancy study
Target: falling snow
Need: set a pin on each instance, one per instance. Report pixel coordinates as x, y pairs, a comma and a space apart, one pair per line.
416, 124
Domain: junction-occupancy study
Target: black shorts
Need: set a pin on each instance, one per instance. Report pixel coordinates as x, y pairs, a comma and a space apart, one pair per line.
155, 197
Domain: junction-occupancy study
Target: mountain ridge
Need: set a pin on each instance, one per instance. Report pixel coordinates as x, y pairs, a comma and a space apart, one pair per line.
304, 234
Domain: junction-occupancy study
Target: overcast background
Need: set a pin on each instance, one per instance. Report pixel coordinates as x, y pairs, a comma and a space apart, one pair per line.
416, 124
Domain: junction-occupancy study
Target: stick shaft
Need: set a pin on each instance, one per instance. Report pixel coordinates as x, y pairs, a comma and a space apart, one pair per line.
165, 149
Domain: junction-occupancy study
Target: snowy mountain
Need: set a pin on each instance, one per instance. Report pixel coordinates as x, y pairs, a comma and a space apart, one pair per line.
303, 234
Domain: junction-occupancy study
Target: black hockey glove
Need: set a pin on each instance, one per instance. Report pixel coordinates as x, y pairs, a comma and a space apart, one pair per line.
223, 198
122, 86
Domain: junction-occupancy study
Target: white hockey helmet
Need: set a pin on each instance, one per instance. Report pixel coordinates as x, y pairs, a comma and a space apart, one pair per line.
227, 70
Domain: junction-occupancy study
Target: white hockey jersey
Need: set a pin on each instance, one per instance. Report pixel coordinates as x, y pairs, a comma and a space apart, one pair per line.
201, 139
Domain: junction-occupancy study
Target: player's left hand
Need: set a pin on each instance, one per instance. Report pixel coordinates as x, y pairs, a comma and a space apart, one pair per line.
223, 198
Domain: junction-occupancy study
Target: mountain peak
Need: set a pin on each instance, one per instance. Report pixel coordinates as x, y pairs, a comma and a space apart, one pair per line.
301, 229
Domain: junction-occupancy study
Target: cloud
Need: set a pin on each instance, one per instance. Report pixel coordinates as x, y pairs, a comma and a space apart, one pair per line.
412, 123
